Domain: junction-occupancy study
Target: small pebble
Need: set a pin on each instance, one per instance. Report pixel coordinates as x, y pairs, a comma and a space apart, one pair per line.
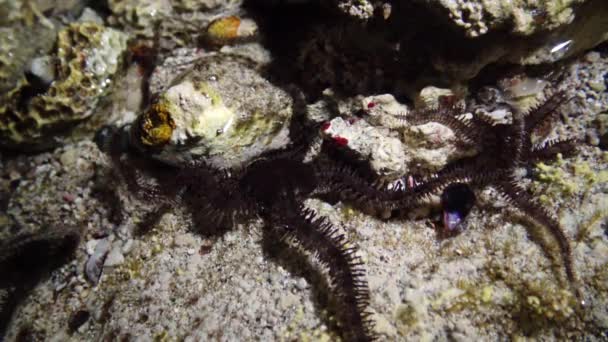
301, 284
68, 158
288, 300
114, 258
94, 264
127, 247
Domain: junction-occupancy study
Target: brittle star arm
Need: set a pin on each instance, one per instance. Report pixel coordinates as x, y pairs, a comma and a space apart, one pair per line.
519, 198
549, 149
212, 195
538, 114
338, 179
318, 236
468, 130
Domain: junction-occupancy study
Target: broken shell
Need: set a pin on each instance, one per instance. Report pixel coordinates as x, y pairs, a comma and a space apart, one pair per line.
94, 264
229, 30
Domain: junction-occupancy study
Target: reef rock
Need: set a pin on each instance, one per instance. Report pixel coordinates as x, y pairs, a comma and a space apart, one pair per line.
432, 146
537, 31
33, 111
374, 144
173, 24
520, 17
405, 45
222, 109
428, 147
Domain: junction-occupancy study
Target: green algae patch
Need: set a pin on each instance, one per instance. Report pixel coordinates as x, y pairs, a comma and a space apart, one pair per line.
566, 179
406, 318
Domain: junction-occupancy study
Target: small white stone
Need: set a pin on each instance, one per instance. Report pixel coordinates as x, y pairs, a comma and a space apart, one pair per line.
301, 284
90, 246
500, 116
43, 68
127, 247
89, 15
429, 97
114, 258
245, 285
69, 158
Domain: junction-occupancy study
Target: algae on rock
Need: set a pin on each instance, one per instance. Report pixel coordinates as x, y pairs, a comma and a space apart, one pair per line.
221, 109
170, 24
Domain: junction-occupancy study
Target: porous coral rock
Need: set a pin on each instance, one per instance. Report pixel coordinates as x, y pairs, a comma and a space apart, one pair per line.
468, 36
383, 109
87, 56
181, 60
428, 147
522, 17
385, 153
139, 15
47, 12
222, 109
560, 29
361, 9
432, 146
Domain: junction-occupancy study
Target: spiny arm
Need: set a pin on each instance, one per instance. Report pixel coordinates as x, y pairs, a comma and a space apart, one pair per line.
519, 198
332, 249
551, 148
465, 129
213, 196
535, 116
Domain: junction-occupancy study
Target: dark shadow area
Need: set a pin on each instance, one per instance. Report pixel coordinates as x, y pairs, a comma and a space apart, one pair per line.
316, 47
284, 27
28, 259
